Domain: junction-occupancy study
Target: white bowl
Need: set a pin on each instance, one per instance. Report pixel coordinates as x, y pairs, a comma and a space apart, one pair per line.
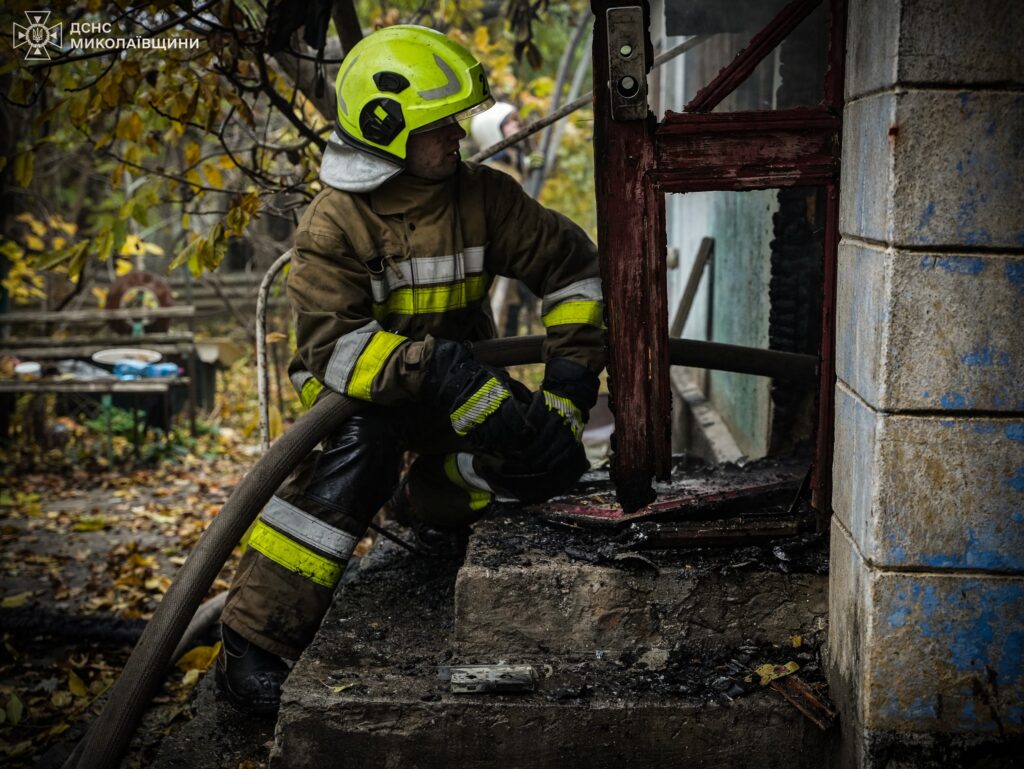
112, 355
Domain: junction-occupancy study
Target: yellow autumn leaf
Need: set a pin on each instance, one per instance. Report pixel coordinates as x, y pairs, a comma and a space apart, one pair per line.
34, 243
191, 677
76, 686
101, 296
199, 658
24, 166
37, 226
276, 336
14, 601
480, 38
122, 267
15, 709
214, 175
132, 246
191, 153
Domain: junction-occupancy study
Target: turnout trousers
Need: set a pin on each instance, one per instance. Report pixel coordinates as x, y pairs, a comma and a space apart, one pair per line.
304, 537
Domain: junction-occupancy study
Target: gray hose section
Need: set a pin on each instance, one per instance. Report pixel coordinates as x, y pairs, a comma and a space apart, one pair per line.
107, 740
205, 618
262, 385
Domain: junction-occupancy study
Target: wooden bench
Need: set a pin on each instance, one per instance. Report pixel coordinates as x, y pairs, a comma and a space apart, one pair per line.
81, 346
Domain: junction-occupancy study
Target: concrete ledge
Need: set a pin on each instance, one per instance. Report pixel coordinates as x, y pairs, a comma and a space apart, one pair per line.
536, 597
931, 332
397, 728
929, 492
367, 693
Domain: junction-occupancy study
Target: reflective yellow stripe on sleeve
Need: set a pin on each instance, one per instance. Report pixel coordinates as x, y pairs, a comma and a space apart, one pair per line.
588, 312
294, 557
370, 363
310, 391
479, 406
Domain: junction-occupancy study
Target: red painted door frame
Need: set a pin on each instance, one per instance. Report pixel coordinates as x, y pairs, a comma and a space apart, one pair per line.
636, 163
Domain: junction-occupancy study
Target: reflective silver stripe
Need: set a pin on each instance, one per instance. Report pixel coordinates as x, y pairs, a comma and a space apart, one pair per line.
341, 101
346, 351
464, 462
307, 529
450, 87
473, 259
299, 378
427, 271
588, 289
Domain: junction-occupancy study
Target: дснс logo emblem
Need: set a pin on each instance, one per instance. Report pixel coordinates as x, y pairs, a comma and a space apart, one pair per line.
37, 36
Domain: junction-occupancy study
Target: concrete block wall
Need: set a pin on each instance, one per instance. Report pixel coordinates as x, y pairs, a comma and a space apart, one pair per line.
927, 581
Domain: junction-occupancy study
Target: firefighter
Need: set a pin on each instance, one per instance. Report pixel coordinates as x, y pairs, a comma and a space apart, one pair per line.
392, 264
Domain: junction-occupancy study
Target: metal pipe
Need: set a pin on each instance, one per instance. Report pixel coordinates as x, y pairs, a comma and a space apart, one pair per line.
572, 106
262, 382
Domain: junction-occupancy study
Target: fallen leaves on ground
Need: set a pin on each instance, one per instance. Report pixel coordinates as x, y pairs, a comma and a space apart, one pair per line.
81, 539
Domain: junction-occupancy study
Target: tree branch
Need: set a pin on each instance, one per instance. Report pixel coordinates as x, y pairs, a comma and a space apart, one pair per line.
347, 22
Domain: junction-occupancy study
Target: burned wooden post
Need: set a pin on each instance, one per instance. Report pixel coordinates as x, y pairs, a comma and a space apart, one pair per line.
631, 237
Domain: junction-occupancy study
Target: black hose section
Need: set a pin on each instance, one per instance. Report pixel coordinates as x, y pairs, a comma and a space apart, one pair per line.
516, 351
742, 360
110, 734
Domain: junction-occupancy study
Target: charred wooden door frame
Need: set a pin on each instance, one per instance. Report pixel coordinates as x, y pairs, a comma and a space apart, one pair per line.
637, 162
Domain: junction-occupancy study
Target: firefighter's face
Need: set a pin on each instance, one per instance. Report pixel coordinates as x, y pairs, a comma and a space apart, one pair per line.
434, 154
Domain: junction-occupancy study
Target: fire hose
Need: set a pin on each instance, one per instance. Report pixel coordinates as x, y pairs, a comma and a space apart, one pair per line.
108, 738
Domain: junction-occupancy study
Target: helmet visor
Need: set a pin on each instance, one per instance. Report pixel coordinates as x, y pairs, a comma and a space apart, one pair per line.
457, 117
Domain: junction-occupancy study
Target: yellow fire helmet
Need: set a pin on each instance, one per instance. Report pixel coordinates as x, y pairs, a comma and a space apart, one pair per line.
403, 79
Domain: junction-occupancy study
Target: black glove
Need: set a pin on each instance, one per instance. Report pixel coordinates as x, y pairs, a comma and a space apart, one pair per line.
485, 404
548, 466
570, 389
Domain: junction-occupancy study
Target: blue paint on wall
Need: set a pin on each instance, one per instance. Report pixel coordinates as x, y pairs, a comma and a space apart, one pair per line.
954, 401
966, 97
1015, 271
928, 213
960, 265
1015, 432
975, 625
920, 707
985, 356
1017, 481
898, 617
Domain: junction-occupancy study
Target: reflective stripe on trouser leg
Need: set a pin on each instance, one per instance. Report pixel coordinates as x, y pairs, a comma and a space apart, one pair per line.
302, 543
286, 579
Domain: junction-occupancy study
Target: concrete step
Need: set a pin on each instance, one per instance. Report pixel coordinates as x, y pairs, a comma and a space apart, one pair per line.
531, 585
367, 691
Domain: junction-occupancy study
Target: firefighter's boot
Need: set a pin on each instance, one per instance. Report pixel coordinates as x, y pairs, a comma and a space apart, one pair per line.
250, 677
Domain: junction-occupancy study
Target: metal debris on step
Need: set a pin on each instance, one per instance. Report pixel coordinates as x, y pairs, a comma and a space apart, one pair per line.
807, 700
492, 679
